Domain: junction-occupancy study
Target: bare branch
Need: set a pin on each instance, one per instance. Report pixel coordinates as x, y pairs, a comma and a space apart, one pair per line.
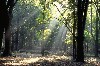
64, 19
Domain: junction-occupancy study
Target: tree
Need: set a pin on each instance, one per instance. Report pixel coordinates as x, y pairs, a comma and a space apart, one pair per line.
97, 29
6, 8
81, 14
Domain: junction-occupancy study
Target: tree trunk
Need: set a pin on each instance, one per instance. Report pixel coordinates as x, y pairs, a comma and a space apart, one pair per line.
96, 41
6, 7
81, 13
74, 38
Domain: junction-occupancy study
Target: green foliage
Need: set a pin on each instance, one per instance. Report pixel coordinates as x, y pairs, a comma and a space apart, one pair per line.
39, 22
37, 19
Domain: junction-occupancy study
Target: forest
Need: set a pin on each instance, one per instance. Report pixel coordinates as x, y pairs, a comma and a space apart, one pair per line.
49, 33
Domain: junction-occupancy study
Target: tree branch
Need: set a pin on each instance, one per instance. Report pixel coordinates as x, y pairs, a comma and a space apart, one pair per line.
64, 19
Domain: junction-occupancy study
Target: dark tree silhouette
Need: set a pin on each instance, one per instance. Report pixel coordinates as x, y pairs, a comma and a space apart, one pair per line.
97, 31
81, 14
6, 7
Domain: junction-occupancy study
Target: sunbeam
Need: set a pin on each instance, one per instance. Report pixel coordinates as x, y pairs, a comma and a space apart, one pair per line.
24, 20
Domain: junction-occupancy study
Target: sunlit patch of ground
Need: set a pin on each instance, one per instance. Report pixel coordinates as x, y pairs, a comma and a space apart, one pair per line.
52, 60
93, 60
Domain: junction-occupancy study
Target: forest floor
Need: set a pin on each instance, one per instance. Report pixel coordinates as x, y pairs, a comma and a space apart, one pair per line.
51, 60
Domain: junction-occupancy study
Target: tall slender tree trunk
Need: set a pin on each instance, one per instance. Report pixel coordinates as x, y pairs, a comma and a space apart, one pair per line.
74, 37
97, 34
80, 52
81, 14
